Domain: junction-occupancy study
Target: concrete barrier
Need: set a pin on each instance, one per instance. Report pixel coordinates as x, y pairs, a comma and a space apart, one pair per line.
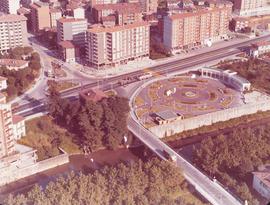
13, 173
208, 119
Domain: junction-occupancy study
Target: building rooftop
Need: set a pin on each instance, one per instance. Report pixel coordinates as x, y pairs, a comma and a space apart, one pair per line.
39, 4
264, 176
66, 44
12, 17
17, 118
12, 62
102, 29
23, 11
69, 20
261, 43
167, 114
120, 7
2, 78
198, 12
55, 10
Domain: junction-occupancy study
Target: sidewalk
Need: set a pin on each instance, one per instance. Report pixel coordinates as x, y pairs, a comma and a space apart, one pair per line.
144, 64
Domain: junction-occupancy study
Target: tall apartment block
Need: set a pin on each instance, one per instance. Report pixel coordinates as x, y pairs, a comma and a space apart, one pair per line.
12, 31
55, 14
40, 16
9, 6
186, 30
13, 156
251, 7
111, 46
71, 29
7, 139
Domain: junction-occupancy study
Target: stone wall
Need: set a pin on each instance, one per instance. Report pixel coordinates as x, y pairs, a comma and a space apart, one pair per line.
12, 173
208, 119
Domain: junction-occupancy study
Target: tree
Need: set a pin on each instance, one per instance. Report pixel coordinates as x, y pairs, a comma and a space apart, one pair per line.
121, 184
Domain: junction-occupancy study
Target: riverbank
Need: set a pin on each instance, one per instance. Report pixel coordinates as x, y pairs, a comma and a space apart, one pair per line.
78, 163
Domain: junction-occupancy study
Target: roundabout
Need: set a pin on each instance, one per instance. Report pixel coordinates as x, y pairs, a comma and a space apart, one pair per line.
186, 96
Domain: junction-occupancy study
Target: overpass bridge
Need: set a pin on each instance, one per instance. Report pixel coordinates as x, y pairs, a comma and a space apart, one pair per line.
208, 188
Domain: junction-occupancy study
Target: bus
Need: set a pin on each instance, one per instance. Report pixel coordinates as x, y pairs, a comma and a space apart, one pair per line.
145, 76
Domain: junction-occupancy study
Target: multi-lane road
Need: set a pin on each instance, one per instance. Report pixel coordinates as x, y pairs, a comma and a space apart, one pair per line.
212, 191
166, 67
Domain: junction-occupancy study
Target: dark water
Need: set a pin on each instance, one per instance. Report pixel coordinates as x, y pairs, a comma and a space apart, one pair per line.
78, 163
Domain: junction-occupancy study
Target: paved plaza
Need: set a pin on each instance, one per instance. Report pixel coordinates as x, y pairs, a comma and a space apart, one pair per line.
187, 96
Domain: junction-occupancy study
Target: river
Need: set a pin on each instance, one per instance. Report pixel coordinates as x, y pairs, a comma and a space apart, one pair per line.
78, 163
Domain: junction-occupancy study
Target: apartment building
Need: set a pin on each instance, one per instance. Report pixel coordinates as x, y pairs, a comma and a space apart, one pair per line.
7, 139
124, 13
251, 7
40, 16
203, 27
3, 83
55, 14
101, 2
71, 29
12, 31
149, 6
9, 6
111, 46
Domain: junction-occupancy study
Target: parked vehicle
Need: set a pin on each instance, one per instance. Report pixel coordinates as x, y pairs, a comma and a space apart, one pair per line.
169, 157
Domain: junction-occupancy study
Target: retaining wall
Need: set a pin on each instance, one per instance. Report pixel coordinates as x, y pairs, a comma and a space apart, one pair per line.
208, 119
13, 173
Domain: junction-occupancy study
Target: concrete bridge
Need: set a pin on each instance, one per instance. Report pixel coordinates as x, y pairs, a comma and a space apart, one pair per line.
208, 188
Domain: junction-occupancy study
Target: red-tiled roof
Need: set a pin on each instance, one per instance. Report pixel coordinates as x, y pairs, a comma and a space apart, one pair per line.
17, 118
261, 43
2, 78
120, 7
66, 44
12, 62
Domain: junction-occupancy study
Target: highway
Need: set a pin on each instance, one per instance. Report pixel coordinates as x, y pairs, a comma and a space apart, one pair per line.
163, 68
212, 191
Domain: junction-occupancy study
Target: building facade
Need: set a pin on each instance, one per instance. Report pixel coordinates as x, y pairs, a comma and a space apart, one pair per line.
187, 30
3, 83
71, 29
117, 45
18, 126
251, 7
55, 14
259, 48
12, 31
9, 6
123, 13
40, 16
7, 139
68, 52
149, 6
261, 182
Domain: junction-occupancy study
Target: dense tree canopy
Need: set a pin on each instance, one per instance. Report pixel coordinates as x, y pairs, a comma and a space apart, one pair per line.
154, 182
255, 70
234, 157
19, 81
96, 124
